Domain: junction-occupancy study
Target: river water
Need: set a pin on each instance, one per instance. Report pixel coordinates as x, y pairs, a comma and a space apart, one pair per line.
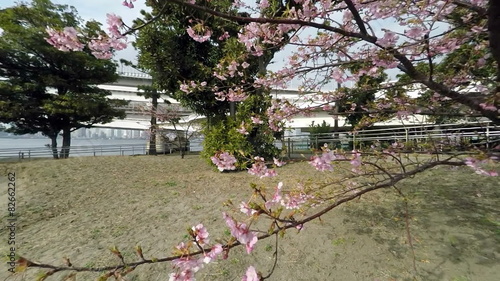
37, 147
13, 143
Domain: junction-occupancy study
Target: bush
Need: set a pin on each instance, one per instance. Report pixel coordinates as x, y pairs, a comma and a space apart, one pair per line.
223, 135
319, 134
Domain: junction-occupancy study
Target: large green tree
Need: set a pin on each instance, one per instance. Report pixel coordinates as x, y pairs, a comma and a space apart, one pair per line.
172, 57
46, 90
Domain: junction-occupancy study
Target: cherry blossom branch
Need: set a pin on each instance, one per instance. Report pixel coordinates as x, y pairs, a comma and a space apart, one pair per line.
124, 267
356, 16
465, 4
397, 178
407, 226
406, 65
365, 37
420, 112
409, 68
153, 19
275, 257
305, 69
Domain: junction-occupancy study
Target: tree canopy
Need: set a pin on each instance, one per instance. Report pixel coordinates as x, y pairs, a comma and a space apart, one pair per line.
47, 90
168, 52
339, 41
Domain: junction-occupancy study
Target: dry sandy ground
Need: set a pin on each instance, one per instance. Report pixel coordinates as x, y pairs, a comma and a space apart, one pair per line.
80, 207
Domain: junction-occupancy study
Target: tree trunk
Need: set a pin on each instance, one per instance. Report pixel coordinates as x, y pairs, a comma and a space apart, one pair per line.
152, 135
336, 118
66, 143
494, 38
182, 152
181, 147
232, 109
53, 146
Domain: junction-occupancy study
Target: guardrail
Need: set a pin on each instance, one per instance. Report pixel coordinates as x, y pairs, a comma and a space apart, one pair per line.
450, 135
100, 150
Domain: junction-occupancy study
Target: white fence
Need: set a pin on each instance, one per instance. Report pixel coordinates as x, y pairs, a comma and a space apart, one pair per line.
101, 150
449, 135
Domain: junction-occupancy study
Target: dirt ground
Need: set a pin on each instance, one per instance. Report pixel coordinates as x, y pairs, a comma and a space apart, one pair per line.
80, 207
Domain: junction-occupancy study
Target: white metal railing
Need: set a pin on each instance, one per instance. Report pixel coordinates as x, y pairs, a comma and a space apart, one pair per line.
100, 150
483, 134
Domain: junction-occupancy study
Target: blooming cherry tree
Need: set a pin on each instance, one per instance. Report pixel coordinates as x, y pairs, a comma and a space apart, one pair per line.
334, 42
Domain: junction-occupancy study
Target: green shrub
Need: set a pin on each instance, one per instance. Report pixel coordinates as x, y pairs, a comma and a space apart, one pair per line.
319, 134
223, 135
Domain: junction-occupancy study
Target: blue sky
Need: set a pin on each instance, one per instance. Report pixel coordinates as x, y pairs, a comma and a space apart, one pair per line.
97, 9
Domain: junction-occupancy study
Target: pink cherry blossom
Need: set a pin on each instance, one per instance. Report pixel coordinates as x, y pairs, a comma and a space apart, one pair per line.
476, 165
236, 94
66, 40
327, 107
114, 24
251, 275
256, 120
486, 106
356, 161
241, 232
242, 130
186, 275
199, 37
416, 32
224, 161
278, 163
188, 263
128, 3
185, 88
245, 209
201, 234
263, 4
224, 36
276, 196
260, 169
215, 251
296, 198
323, 162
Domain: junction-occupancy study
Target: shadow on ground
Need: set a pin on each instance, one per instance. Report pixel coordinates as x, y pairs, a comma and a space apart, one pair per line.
454, 224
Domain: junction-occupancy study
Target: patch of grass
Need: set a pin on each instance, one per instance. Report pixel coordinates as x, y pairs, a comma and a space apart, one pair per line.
95, 233
119, 230
171, 183
110, 198
490, 223
343, 241
268, 248
90, 264
225, 272
453, 240
338, 241
460, 278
